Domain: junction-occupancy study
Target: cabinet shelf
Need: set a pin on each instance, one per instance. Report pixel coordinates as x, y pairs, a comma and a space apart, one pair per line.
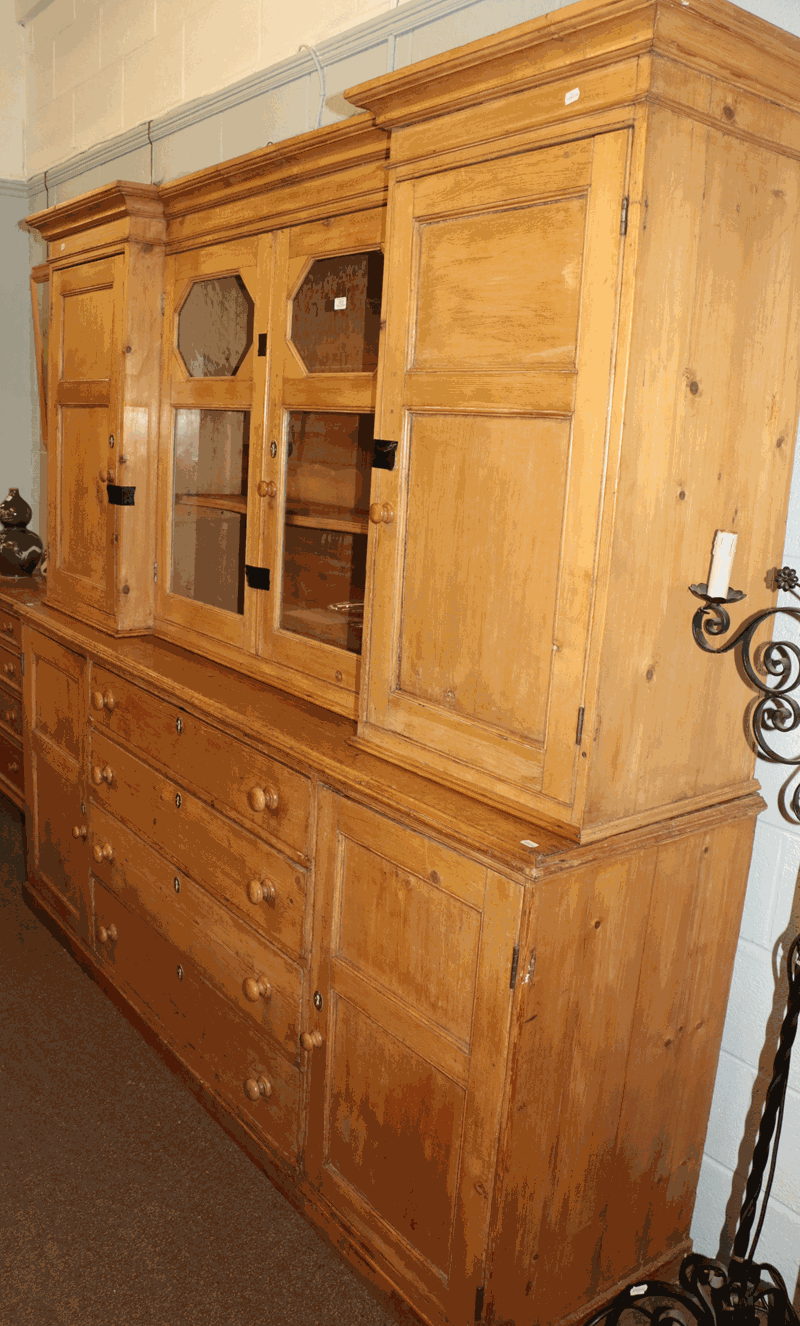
217, 501
319, 515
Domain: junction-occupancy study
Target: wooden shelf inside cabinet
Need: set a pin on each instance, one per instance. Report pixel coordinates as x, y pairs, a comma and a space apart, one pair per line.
216, 501
318, 515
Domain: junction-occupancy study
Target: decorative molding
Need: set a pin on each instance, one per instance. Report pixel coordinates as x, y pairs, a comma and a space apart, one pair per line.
386, 28
13, 188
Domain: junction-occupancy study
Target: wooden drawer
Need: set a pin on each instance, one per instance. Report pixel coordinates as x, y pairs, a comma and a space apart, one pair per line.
10, 628
219, 767
10, 712
10, 667
229, 861
220, 1046
229, 955
11, 763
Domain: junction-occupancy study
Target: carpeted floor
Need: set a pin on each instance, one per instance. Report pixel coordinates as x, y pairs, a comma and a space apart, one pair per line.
122, 1203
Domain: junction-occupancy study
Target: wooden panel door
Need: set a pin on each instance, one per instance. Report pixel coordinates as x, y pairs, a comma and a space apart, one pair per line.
84, 403
414, 949
55, 708
503, 292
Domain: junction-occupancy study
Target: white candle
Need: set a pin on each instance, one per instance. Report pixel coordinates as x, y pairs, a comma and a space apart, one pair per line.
721, 564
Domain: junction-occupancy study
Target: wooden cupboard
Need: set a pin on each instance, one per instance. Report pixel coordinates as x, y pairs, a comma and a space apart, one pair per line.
394, 794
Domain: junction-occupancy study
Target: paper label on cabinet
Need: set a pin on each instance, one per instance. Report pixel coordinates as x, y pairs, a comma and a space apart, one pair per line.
572, 96
340, 302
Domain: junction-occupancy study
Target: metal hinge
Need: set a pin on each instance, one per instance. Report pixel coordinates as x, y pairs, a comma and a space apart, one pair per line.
623, 225
22, 664
514, 965
163, 301
579, 728
479, 1293
155, 572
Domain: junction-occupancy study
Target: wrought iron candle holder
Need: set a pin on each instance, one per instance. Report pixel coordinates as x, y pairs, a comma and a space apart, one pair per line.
775, 673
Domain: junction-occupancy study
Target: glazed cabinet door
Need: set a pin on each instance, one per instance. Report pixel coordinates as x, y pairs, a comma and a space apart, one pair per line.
502, 296
315, 486
414, 948
58, 841
213, 381
84, 409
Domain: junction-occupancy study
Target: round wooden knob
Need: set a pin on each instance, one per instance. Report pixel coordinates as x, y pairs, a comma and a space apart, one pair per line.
255, 1088
80, 831
267, 488
101, 701
380, 513
261, 797
7, 626
8, 669
13, 766
260, 890
257, 987
9, 715
310, 1040
103, 852
97, 699
104, 934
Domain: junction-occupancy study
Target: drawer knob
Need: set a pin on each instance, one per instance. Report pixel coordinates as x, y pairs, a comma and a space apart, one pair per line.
103, 852
380, 513
80, 831
9, 715
102, 775
13, 766
257, 987
262, 797
311, 1040
255, 1088
267, 488
105, 933
101, 701
8, 669
260, 891
7, 626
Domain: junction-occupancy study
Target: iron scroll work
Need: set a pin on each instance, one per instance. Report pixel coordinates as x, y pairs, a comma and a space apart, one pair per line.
776, 674
747, 1292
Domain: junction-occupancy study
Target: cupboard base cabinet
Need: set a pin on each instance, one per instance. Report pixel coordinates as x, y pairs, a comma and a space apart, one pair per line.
368, 755
482, 1066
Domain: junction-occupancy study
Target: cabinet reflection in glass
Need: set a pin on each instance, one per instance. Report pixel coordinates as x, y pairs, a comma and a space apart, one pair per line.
209, 523
326, 519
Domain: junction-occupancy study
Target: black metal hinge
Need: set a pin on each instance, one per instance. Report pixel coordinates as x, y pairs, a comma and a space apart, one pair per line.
514, 966
579, 729
623, 224
257, 576
120, 495
262, 345
384, 454
479, 1293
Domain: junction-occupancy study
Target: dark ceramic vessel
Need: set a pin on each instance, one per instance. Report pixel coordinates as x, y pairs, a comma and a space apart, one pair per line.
20, 548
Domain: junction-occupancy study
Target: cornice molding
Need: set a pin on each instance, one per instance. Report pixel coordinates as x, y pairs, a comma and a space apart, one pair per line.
13, 188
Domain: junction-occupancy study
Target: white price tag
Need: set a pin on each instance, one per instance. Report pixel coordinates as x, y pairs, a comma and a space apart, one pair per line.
572, 96
340, 302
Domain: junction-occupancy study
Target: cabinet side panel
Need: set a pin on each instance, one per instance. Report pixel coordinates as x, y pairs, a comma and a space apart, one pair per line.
618, 1034
710, 422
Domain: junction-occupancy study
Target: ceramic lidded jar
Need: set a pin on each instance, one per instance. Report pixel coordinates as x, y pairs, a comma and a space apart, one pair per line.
20, 548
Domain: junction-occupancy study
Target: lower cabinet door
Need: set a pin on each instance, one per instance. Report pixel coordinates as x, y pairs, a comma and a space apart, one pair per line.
220, 1045
413, 952
59, 864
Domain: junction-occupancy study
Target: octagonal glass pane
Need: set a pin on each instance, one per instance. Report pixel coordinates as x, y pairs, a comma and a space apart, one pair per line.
215, 327
336, 314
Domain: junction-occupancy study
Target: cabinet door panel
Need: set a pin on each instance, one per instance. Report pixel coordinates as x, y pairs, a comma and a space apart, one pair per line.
412, 954
84, 391
497, 379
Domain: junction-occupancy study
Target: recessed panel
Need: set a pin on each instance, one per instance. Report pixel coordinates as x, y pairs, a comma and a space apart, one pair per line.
57, 706
395, 1132
87, 327
83, 508
382, 905
210, 494
501, 290
482, 565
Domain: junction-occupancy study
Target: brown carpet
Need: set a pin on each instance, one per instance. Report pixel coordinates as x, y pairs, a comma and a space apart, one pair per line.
122, 1203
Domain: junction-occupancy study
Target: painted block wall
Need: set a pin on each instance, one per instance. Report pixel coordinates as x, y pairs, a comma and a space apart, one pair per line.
153, 91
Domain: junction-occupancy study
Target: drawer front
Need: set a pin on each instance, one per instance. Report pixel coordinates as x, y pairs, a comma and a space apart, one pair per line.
262, 981
263, 887
10, 667
12, 769
271, 798
220, 1046
10, 712
10, 628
